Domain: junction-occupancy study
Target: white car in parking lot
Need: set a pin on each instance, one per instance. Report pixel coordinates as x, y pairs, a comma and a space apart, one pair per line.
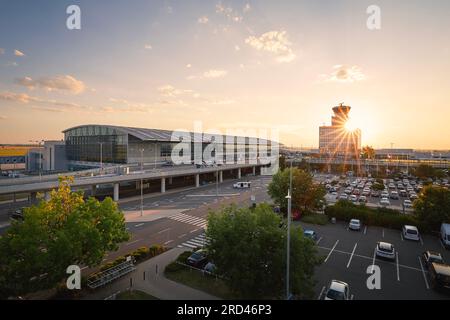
338, 290
343, 197
385, 202
353, 198
407, 204
354, 224
385, 250
411, 233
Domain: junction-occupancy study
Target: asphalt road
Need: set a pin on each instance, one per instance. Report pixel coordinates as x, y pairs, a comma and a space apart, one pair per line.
348, 255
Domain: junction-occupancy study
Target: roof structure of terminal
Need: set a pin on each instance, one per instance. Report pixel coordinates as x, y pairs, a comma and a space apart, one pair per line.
156, 134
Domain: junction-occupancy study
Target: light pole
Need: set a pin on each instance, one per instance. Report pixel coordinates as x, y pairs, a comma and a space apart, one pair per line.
142, 182
288, 245
101, 157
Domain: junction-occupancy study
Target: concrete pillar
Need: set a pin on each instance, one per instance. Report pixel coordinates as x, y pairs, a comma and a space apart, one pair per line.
239, 173
93, 190
170, 180
33, 196
116, 192
220, 176
197, 180
163, 185
254, 171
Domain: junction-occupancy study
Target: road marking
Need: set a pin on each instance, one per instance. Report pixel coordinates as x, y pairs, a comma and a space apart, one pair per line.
167, 242
401, 235
423, 273
398, 269
138, 225
351, 256
373, 259
162, 231
365, 229
321, 292
319, 240
332, 249
84, 268
382, 234
133, 242
181, 236
195, 230
421, 241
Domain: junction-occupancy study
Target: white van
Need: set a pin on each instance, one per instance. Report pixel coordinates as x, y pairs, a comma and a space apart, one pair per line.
242, 185
445, 235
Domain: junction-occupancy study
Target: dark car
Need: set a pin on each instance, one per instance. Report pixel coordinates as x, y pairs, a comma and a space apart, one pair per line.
432, 256
311, 234
439, 275
168, 164
198, 259
17, 215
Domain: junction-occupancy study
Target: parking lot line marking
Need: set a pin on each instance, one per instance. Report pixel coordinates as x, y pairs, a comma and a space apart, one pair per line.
398, 269
351, 256
382, 234
319, 240
331, 251
138, 225
421, 241
423, 273
365, 229
401, 235
321, 292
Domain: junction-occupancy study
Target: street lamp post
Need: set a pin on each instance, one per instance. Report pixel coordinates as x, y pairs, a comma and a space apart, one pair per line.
101, 157
142, 182
288, 245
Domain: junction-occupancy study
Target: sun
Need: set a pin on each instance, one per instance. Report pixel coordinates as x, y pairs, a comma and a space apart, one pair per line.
350, 125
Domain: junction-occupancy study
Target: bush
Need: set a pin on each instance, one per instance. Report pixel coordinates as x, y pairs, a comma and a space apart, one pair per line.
319, 219
183, 257
174, 267
382, 217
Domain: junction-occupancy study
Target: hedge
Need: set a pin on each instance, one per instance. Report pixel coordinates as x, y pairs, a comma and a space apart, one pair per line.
382, 217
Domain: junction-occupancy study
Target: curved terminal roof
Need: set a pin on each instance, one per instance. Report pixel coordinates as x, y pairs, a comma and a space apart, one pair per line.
153, 134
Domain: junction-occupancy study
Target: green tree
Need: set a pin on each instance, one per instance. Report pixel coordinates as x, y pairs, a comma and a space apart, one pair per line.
63, 231
425, 171
433, 206
368, 152
378, 186
306, 194
249, 250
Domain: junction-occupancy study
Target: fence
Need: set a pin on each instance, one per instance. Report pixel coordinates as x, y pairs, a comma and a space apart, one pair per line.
111, 274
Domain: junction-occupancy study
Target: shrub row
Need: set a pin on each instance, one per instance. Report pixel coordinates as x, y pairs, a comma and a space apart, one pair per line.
315, 218
382, 217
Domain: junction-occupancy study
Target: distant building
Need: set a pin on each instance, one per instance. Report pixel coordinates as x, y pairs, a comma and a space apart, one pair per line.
336, 140
51, 156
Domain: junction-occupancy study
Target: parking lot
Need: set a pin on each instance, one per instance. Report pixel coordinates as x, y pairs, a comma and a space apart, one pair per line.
348, 255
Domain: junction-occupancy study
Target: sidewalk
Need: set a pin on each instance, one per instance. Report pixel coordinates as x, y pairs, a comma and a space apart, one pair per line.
155, 283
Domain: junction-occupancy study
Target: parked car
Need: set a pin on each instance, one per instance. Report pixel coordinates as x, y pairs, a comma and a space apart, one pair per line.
432, 256
343, 197
385, 250
362, 199
385, 202
210, 267
407, 204
439, 275
353, 198
311, 234
354, 224
198, 259
17, 215
445, 235
394, 195
338, 290
168, 164
411, 233
375, 193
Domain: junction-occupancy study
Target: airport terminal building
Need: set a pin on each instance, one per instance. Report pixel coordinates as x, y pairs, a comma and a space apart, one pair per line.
91, 146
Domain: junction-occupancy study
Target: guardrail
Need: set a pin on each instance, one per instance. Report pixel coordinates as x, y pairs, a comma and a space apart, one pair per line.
111, 274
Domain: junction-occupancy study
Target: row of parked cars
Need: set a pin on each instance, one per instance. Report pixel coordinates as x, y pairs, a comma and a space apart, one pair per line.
199, 259
438, 269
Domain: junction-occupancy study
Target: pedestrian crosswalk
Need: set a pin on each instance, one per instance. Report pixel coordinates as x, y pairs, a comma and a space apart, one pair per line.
198, 242
185, 218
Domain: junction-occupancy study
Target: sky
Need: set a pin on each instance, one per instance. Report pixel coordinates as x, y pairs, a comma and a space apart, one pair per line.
251, 65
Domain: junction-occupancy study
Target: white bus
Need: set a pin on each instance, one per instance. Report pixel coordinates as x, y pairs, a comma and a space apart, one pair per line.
242, 185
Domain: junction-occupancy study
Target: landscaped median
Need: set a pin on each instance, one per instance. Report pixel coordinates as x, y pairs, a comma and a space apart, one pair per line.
382, 217
179, 271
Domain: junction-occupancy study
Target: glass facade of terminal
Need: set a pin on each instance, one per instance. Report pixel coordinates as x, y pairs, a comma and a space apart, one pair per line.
90, 143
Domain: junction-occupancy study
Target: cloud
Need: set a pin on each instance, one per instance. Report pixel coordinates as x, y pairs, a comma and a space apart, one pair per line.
188, 65
247, 8
3, 117
18, 53
170, 91
213, 73
344, 74
237, 48
223, 102
11, 64
2, 51
275, 42
148, 47
228, 12
127, 106
42, 104
203, 20
64, 83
